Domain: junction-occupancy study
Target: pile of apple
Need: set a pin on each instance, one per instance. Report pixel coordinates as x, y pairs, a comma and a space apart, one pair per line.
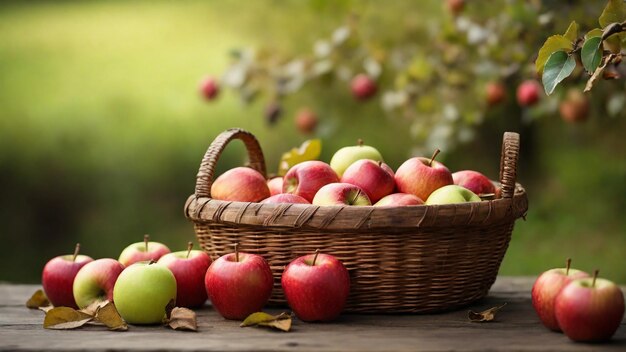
356, 175
586, 309
147, 278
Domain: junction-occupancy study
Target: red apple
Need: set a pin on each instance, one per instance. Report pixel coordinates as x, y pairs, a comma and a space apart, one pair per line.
375, 178
241, 184
189, 268
58, 277
495, 93
528, 93
275, 184
95, 281
421, 176
341, 194
398, 199
474, 181
306, 121
306, 178
143, 251
239, 284
363, 87
575, 107
590, 309
547, 287
316, 287
209, 88
455, 6
285, 198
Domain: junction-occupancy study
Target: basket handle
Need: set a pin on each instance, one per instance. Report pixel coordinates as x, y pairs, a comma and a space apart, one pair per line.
508, 163
204, 178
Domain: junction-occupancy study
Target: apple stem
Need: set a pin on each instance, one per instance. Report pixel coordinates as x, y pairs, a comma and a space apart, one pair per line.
237, 251
595, 276
317, 251
76, 250
152, 261
359, 142
189, 247
146, 239
432, 158
568, 263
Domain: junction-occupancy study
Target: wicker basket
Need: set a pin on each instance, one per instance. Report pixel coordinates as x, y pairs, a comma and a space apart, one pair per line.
410, 259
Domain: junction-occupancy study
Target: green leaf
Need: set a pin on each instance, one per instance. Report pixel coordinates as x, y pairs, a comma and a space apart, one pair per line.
309, 150
572, 32
615, 11
552, 44
591, 53
558, 67
596, 32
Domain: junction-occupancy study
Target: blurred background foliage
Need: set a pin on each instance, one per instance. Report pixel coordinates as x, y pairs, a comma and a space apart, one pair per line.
102, 128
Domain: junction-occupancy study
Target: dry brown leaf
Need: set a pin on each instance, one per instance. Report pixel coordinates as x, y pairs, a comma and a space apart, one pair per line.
93, 307
63, 318
183, 319
46, 309
486, 315
37, 300
108, 315
168, 310
281, 322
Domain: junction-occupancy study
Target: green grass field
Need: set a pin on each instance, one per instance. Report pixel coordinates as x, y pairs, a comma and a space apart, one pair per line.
102, 132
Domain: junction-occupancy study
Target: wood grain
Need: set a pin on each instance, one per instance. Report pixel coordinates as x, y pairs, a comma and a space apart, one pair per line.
516, 329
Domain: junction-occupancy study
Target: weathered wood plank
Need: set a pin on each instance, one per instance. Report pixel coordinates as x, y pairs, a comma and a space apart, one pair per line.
516, 329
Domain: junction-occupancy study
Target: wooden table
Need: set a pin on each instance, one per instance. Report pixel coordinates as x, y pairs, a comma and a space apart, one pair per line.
516, 328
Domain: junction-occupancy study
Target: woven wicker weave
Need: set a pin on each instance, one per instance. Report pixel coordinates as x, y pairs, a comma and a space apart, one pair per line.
410, 259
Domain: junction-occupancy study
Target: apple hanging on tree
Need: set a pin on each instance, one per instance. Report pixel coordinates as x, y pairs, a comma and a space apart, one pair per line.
209, 88
58, 277
363, 87
528, 93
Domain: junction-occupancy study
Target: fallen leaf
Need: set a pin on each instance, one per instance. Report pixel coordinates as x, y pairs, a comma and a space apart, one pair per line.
108, 315
487, 315
63, 318
183, 319
37, 300
46, 309
168, 310
281, 322
93, 307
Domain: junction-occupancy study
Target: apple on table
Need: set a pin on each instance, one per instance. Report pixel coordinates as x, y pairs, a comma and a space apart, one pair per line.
58, 277
143, 251
306, 178
341, 194
95, 281
189, 268
375, 178
241, 184
422, 176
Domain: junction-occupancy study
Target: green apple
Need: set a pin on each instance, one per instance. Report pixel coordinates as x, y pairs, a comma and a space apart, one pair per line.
345, 156
451, 194
142, 292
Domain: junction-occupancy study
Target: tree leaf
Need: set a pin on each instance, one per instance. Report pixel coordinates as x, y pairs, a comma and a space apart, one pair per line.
591, 54
63, 318
309, 150
484, 316
108, 315
183, 319
281, 322
552, 44
572, 32
37, 300
614, 11
558, 67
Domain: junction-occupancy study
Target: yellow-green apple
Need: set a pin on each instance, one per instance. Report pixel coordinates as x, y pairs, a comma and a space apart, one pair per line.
239, 284
341, 194
241, 184
275, 184
363, 87
316, 287
95, 281
209, 88
590, 309
189, 268
58, 276
474, 181
285, 198
374, 177
452, 194
306, 121
421, 176
495, 93
143, 291
398, 199
345, 156
143, 251
547, 287
306, 178
528, 93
